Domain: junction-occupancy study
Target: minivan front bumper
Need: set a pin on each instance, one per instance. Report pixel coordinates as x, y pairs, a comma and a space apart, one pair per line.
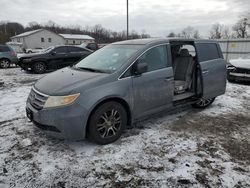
67, 122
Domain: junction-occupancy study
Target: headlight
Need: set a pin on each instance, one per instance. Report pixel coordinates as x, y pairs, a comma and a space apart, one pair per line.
54, 101
27, 60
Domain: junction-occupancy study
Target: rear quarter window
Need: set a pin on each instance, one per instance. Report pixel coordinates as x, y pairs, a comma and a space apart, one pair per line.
4, 49
76, 49
208, 51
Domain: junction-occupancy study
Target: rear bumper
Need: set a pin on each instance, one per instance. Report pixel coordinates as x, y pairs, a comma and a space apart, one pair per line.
67, 122
14, 60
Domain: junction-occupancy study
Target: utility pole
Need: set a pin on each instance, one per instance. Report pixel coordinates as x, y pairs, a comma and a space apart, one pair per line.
127, 22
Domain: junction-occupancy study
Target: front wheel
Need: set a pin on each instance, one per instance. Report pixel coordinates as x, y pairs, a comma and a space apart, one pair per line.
203, 103
107, 123
4, 63
39, 67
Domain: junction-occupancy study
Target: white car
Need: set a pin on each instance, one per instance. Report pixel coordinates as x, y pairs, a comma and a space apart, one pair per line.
239, 69
35, 50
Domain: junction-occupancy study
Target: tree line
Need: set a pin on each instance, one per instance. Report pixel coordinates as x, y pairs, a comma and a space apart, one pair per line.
241, 29
101, 34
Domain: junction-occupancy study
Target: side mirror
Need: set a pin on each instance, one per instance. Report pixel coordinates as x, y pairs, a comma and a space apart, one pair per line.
140, 68
53, 53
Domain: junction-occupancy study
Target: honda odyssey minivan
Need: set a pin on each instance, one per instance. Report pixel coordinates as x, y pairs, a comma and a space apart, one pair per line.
119, 84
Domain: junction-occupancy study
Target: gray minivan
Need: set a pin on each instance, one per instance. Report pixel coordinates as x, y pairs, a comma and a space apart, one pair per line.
123, 82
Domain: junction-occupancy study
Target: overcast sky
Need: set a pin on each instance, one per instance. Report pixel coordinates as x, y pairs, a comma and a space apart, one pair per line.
156, 17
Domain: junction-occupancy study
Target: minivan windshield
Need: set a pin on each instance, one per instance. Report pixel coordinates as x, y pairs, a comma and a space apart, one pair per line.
109, 58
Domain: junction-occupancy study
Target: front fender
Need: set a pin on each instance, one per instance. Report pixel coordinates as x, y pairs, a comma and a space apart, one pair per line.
120, 89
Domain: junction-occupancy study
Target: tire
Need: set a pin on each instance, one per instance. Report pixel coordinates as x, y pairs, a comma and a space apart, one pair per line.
4, 63
39, 67
203, 103
107, 123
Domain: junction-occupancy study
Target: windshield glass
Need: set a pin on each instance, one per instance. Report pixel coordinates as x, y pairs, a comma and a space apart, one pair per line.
109, 58
48, 49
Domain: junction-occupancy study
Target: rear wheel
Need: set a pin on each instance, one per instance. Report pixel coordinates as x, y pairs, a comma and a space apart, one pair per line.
203, 103
107, 123
4, 63
39, 67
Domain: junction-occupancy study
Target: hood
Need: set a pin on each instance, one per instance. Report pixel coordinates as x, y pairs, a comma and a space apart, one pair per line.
30, 55
64, 81
241, 63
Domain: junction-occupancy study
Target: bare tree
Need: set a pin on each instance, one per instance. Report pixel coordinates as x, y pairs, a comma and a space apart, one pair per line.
196, 34
226, 33
241, 27
171, 34
216, 31
189, 32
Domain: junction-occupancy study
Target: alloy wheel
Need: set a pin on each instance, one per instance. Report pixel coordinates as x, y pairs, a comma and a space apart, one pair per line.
204, 102
109, 123
4, 63
39, 68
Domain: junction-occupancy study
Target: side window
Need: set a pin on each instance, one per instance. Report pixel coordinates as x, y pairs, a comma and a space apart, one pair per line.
61, 50
4, 49
75, 49
156, 58
42, 39
49, 40
208, 51
92, 46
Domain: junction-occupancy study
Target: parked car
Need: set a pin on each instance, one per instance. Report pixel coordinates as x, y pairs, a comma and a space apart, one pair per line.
102, 45
7, 56
239, 69
34, 50
123, 82
91, 45
52, 58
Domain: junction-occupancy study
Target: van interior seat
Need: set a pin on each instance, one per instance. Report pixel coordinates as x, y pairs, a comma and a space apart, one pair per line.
183, 71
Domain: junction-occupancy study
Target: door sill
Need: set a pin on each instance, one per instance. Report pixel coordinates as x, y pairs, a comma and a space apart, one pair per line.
183, 96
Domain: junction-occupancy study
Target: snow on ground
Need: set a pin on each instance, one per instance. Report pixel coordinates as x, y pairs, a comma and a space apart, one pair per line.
184, 148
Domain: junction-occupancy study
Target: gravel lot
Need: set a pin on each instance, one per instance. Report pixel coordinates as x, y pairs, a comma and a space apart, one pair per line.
188, 148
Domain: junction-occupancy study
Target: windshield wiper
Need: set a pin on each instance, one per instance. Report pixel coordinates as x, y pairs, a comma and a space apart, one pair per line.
90, 69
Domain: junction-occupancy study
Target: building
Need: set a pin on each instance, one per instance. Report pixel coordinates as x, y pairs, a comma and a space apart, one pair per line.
234, 48
43, 38
72, 39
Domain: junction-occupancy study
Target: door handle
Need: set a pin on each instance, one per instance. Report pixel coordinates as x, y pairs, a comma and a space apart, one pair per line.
205, 71
168, 79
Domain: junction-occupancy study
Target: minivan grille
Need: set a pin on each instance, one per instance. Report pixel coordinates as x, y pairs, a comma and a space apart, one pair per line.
37, 99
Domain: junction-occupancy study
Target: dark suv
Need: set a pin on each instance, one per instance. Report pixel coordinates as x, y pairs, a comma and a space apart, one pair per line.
53, 58
7, 56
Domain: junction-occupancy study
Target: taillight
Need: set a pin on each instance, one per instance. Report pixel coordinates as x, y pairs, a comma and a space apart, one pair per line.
13, 53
